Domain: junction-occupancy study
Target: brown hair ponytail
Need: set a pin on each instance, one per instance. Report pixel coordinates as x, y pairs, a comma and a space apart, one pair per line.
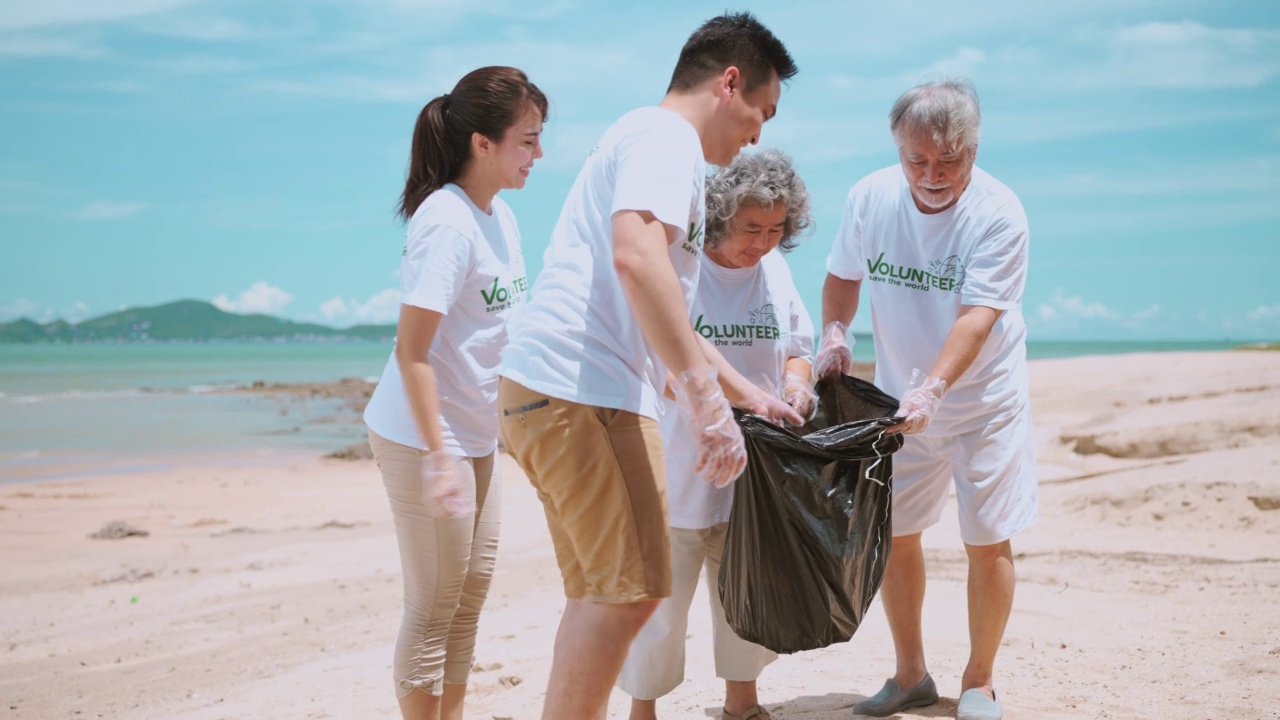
486, 101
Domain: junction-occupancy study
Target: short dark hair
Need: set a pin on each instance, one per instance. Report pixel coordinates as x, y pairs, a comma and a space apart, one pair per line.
737, 40
486, 101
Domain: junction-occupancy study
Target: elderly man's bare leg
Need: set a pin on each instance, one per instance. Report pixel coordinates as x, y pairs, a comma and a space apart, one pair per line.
991, 582
902, 594
591, 645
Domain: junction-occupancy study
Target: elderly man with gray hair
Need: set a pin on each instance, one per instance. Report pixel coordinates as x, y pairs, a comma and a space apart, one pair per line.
942, 246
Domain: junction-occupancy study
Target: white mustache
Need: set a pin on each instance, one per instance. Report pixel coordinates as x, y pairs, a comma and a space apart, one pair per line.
929, 186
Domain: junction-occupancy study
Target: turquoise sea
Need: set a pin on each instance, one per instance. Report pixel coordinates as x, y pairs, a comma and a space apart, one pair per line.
118, 407
114, 407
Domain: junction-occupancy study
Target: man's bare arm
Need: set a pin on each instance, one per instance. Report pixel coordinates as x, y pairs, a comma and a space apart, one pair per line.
640, 243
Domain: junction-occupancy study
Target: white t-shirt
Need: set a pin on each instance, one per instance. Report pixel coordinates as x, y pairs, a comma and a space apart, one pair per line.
919, 269
756, 319
577, 338
468, 266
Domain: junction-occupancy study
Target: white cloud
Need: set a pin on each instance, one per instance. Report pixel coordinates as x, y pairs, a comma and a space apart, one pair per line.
107, 210
964, 63
613, 69
20, 308
23, 14
1063, 307
382, 307
205, 65
452, 10
205, 28
353, 88
333, 308
259, 298
24, 308
1256, 175
1265, 313
1151, 314
121, 87
38, 47
1074, 315
1182, 34
1191, 55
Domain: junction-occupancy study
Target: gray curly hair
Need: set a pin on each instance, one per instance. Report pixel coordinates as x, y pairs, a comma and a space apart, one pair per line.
762, 179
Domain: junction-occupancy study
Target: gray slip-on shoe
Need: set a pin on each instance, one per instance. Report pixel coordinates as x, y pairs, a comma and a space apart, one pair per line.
893, 698
975, 705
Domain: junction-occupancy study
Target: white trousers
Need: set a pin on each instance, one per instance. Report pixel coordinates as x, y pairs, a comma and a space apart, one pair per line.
655, 662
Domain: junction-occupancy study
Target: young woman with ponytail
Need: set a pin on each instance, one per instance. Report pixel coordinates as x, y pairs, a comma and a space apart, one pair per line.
433, 419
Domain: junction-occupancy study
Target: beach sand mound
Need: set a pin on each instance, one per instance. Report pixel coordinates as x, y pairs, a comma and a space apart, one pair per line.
1158, 441
1207, 507
1140, 424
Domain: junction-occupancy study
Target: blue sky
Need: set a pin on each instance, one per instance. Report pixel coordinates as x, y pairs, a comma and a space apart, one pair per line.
250, 153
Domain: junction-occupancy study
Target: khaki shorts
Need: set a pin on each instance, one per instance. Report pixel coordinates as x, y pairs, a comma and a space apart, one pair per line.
599, 474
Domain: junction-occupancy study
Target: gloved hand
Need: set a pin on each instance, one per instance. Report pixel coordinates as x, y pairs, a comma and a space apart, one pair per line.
443, 490
769, 406
799, 394
721, 454
834, 356
919, 403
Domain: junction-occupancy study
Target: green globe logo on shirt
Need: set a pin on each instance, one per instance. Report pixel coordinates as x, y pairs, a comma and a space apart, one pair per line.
765, 315
950, 269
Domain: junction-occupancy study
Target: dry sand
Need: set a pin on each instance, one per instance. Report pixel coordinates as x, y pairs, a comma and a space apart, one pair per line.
1149, 588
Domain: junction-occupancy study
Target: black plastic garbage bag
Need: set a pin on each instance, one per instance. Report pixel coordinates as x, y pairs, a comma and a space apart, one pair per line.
809, 533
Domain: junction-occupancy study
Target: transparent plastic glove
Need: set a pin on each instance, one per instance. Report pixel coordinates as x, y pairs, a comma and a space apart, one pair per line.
721, 455
799, 394
834, 356
770, 404
919, 403
443, 490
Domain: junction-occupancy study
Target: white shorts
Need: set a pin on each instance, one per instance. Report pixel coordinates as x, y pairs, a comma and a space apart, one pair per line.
994, 472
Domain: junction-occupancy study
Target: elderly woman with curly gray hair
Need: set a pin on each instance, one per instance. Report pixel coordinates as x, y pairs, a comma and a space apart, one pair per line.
748, 307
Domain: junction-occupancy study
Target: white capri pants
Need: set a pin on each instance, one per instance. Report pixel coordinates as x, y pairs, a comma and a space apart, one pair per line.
655, 662
447, 565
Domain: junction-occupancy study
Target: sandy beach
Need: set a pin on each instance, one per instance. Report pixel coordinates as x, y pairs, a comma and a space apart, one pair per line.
270, 589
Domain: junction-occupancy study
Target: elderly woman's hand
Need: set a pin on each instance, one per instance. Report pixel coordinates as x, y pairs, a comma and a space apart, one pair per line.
799, 394
772, 408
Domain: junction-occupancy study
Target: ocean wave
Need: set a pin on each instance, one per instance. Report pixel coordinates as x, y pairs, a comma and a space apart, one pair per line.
75, 394
205, 389
71, 395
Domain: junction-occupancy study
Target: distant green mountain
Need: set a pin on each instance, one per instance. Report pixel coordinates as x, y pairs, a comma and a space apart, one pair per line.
192, 320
